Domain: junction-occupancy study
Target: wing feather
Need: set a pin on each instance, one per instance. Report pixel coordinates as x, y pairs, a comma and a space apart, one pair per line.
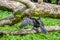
26, 21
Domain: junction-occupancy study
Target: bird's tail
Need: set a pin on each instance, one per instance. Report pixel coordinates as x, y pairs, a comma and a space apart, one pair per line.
43, 30
42, 26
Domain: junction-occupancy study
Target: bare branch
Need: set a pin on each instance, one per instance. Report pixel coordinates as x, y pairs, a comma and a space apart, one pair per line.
12, 5
4, 22
28, 31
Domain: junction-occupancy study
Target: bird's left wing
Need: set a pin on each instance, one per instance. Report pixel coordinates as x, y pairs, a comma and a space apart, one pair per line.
25, 22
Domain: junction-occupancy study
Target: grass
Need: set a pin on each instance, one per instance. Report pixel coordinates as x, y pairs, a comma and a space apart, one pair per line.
40, 36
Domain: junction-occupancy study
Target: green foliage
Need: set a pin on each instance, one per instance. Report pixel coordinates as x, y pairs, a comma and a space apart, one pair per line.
4, 14
53, 1
39, 36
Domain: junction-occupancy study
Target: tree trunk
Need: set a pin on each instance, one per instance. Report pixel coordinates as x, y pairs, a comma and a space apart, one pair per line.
44, 9
49, 10
20, 10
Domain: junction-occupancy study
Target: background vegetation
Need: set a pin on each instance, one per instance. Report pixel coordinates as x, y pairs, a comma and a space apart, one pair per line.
39, 36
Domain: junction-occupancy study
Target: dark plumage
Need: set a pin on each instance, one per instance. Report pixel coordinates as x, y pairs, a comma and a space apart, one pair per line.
26, 21
38, 23
34, 22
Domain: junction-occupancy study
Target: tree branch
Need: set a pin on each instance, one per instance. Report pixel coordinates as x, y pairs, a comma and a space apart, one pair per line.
49, 10
12, 5
44, 9
28, 31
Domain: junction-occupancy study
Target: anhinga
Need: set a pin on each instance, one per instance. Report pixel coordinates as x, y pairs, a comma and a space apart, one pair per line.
36, 23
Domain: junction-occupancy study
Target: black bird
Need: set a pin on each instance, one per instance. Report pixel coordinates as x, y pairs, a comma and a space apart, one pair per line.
35, 23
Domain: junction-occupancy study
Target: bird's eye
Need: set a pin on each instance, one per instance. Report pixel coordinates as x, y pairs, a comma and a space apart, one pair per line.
34, 0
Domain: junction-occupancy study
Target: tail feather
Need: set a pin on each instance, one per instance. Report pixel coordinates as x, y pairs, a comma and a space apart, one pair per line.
41, 25
43, 30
